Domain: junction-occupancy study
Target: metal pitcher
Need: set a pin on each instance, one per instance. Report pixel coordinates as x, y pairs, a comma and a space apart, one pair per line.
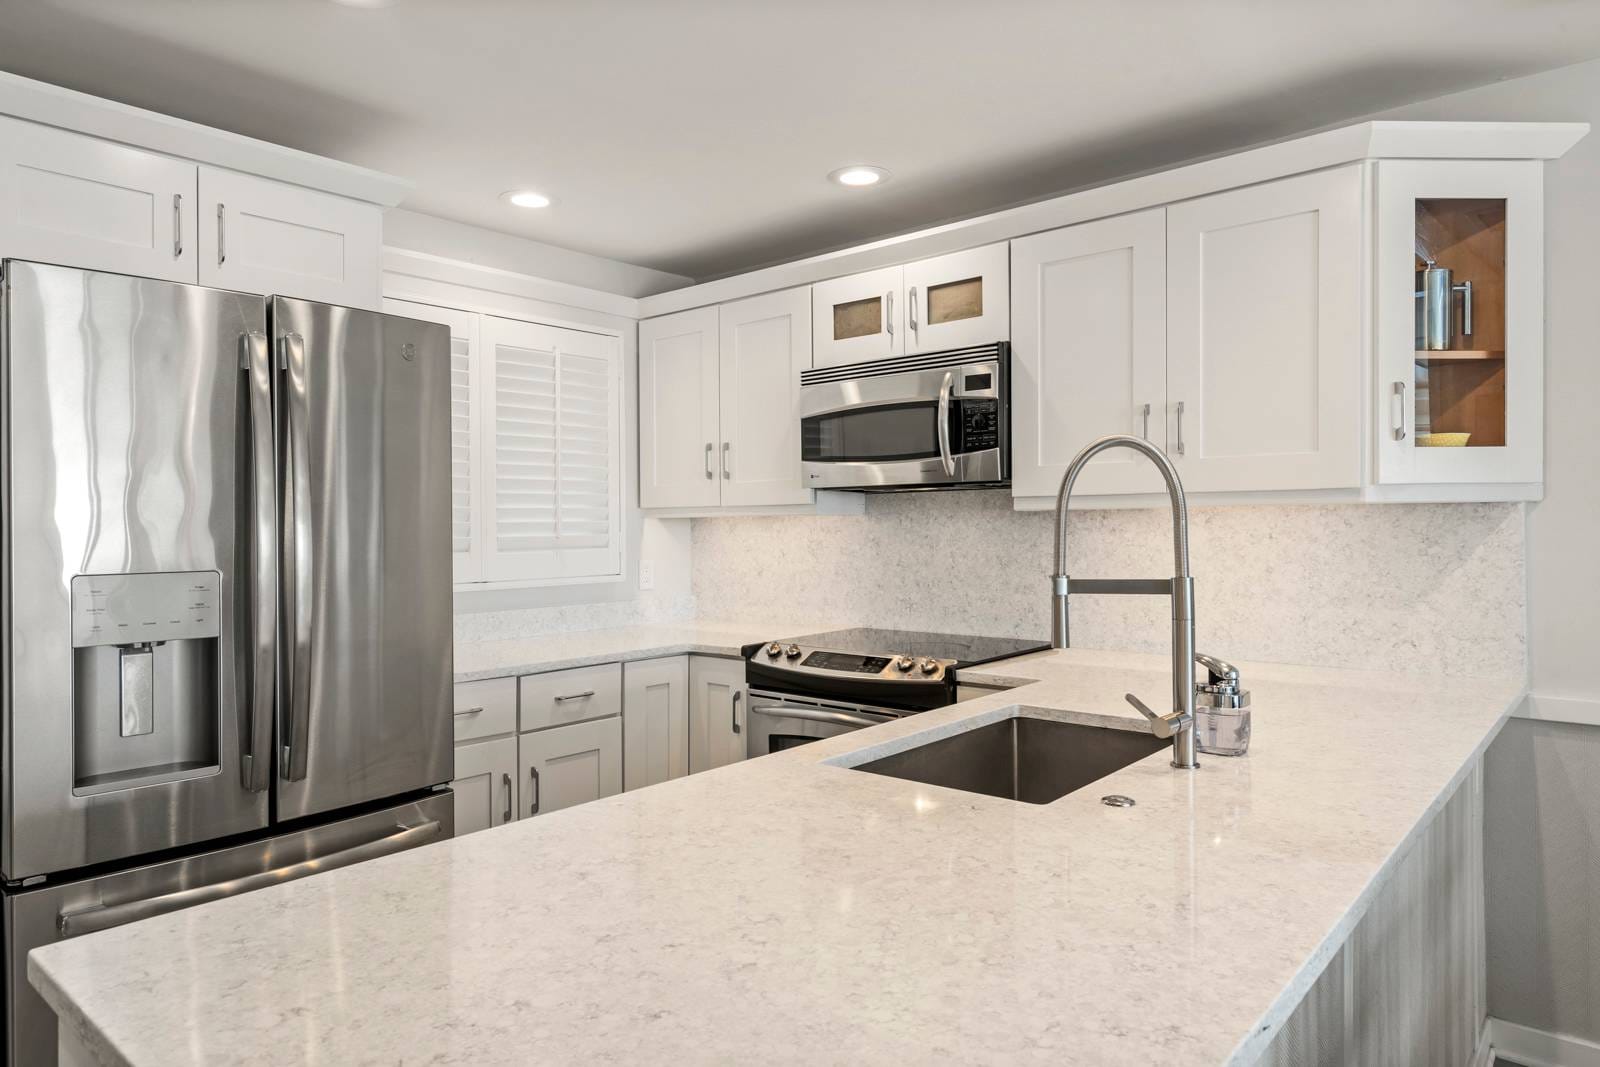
1436, 308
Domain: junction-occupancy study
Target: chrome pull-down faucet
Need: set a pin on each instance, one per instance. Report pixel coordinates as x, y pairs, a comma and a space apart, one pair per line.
1179, 724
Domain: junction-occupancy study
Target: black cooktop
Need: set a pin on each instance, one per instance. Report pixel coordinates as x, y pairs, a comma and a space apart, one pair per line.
965, 649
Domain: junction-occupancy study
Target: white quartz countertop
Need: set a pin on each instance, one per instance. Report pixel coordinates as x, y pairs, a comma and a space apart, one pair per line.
791, 910
508, 657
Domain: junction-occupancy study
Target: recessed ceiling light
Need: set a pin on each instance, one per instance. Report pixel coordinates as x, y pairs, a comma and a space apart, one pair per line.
859, 175
526, 198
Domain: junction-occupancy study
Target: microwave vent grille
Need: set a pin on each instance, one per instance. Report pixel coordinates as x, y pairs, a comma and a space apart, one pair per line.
955, 357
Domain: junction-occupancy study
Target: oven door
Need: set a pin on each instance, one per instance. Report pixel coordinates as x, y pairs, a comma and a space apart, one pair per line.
939, 426
778, 722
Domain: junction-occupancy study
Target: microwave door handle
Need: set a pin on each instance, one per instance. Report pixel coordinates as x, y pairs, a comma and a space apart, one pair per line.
946, 459
255, 767
297, 557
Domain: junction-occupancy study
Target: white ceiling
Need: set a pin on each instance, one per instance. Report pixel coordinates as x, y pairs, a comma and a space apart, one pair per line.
694, 135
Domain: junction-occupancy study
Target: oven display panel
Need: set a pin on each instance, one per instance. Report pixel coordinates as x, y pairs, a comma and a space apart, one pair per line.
843, 661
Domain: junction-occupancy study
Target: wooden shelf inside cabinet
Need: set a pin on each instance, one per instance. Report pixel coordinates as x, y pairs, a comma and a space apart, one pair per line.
1429, 356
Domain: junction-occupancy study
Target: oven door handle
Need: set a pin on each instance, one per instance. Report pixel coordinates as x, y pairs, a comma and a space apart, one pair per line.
945, 458
838, 718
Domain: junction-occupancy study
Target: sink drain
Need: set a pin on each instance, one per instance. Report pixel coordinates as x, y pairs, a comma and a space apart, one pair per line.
1117, 800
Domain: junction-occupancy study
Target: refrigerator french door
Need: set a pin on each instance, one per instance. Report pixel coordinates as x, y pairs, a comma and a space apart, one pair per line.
225, 567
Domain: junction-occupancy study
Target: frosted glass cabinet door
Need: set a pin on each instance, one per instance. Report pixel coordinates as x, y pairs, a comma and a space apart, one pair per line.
766, 343
485, 784
858, 317
568, 765
958, 299
261, 236
1265, 346
678, 418
82, 202
1089, 352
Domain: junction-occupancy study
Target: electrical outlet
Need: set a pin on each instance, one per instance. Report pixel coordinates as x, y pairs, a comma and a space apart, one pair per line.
647, 574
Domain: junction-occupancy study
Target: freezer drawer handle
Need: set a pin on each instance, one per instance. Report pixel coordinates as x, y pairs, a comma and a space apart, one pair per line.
103, 917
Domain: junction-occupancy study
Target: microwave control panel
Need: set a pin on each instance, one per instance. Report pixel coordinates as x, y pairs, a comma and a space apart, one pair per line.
980, 425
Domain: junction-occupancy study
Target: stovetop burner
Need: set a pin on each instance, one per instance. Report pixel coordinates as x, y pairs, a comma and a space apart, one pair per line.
962, 650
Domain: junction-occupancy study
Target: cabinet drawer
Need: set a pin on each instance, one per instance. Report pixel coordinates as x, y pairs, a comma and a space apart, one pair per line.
484, 709
575, 695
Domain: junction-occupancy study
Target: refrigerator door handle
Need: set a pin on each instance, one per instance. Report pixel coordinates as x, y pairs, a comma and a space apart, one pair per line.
297, 556
102, 917
255, 767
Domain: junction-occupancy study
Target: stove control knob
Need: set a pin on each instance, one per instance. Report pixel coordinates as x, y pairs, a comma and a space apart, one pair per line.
903, 663
792, 652
775, 650
928, 666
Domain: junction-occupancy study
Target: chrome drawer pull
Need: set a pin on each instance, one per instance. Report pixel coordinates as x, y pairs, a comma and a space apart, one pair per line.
468, 711
575, 696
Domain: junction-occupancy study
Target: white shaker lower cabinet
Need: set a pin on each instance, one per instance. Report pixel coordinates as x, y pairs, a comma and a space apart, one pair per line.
718, 712
1265, 347
83, 202
678, 410
569, 765
1089, 352
485, 784
261, 236
655, 721
765, 344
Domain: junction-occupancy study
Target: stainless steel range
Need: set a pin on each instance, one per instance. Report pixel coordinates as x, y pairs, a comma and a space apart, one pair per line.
804, 689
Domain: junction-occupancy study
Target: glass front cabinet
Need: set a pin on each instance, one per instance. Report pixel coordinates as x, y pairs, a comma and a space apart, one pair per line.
1460, 313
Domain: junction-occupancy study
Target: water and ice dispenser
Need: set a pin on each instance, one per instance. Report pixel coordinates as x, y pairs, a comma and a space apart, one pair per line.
145, 688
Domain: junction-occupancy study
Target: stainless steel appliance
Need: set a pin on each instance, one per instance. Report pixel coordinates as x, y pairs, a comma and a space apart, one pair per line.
939, 421
803, 689
226, 584
1436, 308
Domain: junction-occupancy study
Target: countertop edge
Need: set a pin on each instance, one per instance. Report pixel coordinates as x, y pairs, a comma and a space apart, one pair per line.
92, 1038
629, 655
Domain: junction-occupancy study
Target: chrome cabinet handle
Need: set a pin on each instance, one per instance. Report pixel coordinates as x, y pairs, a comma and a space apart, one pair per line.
256, 765
1466, 306
297, 555
727, 461
1397, 411
177, 225
709, 475
575, 696
1146, 413
506, 778
222, 234
533, 776
468, 711
911, 307
888, 313
103, 917
946, 459
1179, 449
733, 709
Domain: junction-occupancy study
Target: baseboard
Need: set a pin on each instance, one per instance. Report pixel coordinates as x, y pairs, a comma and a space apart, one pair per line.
1585, 712
1538, 1048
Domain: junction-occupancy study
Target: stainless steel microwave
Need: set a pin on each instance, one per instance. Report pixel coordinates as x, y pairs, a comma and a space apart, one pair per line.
936, 421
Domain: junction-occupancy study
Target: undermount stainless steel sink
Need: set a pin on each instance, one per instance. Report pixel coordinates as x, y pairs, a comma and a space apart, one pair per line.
1021, 758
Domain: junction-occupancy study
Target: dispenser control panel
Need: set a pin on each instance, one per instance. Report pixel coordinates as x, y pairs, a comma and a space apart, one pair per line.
131, 609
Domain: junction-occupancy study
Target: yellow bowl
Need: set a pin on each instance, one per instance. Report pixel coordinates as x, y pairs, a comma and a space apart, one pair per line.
1442, 440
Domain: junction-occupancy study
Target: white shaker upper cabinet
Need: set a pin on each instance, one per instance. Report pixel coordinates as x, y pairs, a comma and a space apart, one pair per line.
766, 343
678, 417
959, 299
1264, 335
858, 318
261, 236
82, 202
1089, 352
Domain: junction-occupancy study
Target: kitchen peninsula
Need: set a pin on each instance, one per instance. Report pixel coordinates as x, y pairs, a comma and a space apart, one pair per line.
792, 909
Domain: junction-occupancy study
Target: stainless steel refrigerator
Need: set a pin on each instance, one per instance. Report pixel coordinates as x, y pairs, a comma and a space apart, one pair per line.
225, 567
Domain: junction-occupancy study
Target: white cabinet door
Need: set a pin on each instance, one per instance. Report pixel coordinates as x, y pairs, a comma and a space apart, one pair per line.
766, 343
858, 317
1089, 352
82, 202
1265, 344
678, 431
485, 784
568, 765
1483, 220
261, 236
655, 721
958, 299
717, 712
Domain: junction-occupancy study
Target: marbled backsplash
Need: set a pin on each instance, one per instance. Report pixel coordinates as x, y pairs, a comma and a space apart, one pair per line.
645, 609
1427, 587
